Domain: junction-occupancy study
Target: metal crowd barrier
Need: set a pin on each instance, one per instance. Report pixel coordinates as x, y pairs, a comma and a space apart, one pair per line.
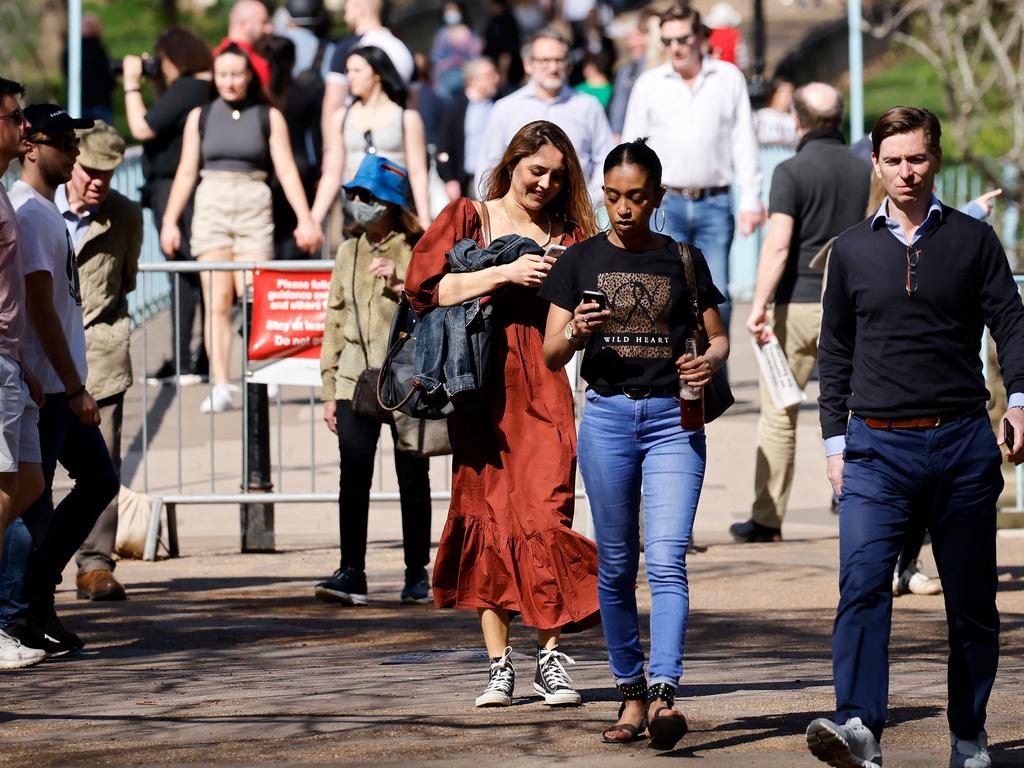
169, 499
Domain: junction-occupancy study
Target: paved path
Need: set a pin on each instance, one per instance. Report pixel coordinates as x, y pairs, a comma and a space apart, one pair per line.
225, 658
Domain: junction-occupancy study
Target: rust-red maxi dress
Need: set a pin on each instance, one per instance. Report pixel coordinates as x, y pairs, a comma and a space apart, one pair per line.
508, 541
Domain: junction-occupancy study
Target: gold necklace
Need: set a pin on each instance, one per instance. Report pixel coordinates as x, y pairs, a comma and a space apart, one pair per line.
516, 230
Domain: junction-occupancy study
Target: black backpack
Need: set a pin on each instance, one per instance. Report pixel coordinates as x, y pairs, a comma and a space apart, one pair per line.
307, 96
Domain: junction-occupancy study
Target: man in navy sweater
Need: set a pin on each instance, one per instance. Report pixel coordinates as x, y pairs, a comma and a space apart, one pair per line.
908, 294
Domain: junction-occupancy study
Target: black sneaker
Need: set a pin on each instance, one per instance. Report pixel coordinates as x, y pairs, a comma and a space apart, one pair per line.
552, 681
29, 635
417, 587
162, 375
56, 631
346, 586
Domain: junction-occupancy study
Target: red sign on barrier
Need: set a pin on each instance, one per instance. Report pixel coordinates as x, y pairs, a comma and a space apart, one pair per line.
288, 310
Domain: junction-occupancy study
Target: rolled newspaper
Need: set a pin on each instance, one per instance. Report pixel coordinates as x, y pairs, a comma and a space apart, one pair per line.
775, 370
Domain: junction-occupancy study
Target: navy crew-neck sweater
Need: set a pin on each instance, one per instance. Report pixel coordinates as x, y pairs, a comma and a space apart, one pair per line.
885, 354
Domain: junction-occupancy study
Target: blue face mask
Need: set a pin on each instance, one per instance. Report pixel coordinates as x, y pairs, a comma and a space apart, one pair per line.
365, 214
452, 17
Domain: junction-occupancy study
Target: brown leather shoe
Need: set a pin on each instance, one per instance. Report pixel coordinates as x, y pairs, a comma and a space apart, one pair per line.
99, 585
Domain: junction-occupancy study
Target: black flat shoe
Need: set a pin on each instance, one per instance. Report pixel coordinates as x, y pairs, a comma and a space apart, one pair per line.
666, 730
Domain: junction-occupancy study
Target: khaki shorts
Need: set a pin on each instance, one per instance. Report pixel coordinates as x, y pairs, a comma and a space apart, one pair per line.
19, 419
233, 211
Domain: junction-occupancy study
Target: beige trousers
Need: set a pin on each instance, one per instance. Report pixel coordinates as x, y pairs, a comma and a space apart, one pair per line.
796, 326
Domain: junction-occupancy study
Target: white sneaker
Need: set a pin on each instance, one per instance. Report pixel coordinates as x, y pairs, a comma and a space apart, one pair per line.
500, 687
221, 398
844, 746
970, 754
915, 581
14, 655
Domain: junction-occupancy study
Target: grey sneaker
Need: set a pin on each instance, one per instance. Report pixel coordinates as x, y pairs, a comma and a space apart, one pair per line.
346, 586
970, 754
501, 684
844, 746
552, 681
417, 587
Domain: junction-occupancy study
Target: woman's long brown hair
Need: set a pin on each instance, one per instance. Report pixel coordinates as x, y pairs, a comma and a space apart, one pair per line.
572, 203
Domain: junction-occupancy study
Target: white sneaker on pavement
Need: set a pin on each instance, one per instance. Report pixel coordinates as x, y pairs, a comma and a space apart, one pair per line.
916, 582
14, 655
970, 754
221, 398
851, 745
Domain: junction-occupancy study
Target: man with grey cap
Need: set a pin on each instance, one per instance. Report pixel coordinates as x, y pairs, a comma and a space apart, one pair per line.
53, 348
106, 231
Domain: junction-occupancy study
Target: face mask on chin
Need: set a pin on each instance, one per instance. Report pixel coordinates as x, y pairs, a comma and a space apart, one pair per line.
365, 214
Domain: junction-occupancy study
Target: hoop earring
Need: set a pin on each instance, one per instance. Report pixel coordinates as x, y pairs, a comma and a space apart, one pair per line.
664, 220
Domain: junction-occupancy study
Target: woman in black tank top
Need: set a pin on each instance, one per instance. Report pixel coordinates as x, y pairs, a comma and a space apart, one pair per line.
236, 140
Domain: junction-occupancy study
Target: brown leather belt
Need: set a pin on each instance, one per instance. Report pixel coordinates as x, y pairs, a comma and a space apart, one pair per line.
922, 422
698, 193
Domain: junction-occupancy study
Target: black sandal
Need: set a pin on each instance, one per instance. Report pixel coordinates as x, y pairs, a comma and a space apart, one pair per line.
665, 730
630, 692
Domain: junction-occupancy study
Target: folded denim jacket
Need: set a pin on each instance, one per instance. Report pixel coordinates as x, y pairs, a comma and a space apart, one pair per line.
452, 343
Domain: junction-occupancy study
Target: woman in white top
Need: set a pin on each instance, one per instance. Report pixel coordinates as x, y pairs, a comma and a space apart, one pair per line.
376, 122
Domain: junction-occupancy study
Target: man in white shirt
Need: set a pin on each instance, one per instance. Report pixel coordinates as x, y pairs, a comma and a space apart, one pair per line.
547, 96
696, 113
363, 17
53, 348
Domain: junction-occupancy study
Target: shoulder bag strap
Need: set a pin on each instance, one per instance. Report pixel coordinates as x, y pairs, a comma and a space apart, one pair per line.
355, 304
691, 283
485, 220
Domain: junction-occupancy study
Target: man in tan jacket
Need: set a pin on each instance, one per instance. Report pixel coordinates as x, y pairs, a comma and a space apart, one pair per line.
106, 229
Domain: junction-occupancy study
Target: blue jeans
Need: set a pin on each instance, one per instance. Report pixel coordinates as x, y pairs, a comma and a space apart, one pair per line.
628, 447
709, 225
33, 564
948, 478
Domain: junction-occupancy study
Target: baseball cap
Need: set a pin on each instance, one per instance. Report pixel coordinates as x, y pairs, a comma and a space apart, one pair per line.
382, 178
101, 147
307, 13
52, 120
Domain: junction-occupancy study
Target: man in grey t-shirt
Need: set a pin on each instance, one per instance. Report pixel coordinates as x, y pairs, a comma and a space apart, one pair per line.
814, 196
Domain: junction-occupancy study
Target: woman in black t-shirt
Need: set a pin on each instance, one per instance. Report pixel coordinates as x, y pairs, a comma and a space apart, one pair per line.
634, 362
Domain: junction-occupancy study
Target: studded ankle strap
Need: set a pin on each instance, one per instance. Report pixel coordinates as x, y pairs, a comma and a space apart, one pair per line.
633, 691
661, 691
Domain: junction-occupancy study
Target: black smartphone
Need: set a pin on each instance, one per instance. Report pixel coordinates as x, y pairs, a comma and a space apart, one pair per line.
596, 297
1008, 436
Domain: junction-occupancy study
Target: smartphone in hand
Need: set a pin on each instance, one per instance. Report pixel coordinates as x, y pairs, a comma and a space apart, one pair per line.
1008, 435
553, 251
596, 297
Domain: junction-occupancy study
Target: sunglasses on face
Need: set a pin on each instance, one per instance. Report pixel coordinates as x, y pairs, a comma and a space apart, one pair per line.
64, 144
689, 39
16, 117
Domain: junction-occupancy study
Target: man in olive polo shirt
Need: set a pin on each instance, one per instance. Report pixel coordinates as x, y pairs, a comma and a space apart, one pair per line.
106, 230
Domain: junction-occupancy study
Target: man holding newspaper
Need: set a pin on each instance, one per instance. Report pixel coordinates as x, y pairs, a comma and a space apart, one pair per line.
815, 195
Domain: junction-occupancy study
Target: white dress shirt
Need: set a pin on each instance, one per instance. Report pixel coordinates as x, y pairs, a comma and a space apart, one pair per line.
703, 135
580, 115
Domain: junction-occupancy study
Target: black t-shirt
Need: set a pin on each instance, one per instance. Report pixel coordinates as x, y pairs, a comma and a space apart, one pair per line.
166, 118
825, 189
652, 315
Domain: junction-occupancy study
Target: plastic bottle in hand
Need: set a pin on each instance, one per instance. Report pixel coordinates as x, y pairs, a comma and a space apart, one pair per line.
691, 400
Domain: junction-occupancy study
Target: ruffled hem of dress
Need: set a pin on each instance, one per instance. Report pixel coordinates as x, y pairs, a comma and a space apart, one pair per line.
548, 577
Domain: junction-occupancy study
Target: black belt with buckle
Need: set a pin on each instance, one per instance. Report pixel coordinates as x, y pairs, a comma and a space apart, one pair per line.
698, 193
636, 393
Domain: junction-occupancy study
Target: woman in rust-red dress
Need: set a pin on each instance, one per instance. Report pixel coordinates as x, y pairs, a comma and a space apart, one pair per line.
508, 546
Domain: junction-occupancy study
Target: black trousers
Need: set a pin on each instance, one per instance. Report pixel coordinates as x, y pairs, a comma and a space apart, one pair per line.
357, 443
186, 288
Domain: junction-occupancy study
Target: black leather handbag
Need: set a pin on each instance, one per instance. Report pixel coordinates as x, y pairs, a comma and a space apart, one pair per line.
364, 397
718, 395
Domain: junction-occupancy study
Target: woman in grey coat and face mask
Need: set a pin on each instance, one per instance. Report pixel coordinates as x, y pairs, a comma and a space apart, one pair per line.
366, 284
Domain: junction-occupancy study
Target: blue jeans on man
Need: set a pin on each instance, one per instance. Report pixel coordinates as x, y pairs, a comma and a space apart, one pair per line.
708, 224
628, 447
33, 565
950, 478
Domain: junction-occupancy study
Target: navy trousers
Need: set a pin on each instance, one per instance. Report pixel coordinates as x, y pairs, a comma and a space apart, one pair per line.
950, 478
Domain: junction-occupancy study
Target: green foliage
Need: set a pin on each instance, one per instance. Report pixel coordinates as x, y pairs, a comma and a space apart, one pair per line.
909, 79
